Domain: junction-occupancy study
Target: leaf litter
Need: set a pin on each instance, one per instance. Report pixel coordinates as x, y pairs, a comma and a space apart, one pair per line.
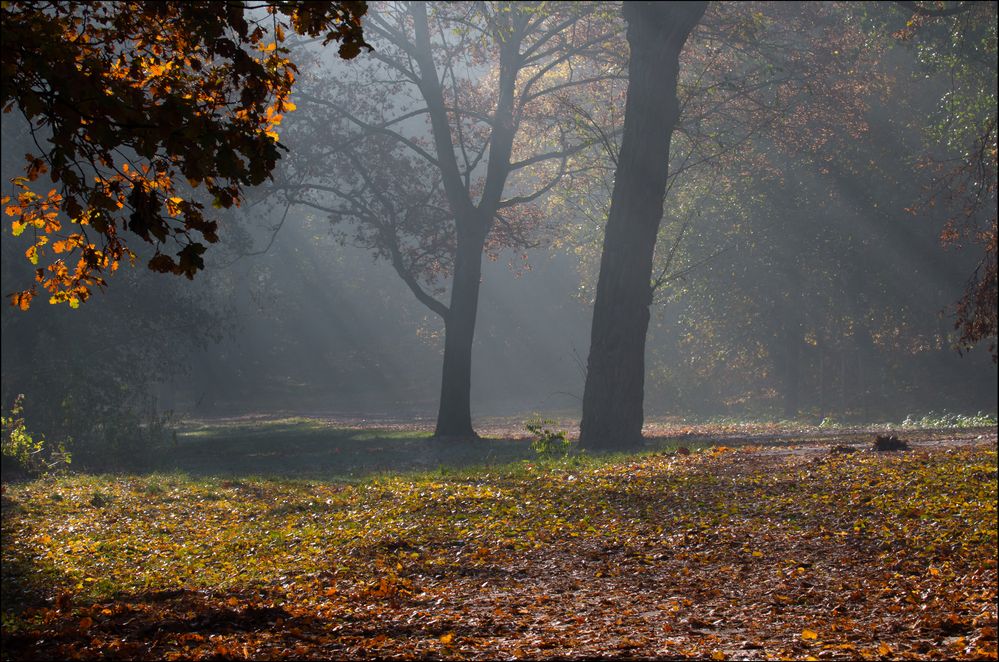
722, 553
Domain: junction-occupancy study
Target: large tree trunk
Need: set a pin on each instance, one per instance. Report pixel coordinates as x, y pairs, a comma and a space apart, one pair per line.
615, 378
454, 418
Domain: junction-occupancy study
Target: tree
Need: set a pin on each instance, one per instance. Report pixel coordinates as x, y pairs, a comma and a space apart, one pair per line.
614, 390
806, 105
442, 160
960, 41
126, 100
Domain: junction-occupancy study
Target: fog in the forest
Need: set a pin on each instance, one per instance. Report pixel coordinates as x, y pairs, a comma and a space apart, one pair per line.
808, 280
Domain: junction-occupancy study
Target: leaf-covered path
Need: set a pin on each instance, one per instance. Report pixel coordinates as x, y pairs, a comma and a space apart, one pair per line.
727, 553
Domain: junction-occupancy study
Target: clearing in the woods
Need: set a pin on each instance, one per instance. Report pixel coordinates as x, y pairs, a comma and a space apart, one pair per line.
757, 544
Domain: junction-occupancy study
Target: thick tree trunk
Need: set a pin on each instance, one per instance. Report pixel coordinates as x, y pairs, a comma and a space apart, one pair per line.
615, 378
454, 418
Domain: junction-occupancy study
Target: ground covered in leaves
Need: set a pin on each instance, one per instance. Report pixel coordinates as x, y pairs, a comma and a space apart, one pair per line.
728, 552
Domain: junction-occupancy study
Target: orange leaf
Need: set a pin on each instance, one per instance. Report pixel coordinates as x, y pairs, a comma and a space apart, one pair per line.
809, 634
447, 638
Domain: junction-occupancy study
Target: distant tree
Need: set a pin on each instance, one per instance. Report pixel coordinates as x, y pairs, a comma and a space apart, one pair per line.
442, 159
959, 41
127, 100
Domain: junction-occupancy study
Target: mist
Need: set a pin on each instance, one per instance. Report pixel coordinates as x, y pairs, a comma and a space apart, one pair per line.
808, 265
498, 330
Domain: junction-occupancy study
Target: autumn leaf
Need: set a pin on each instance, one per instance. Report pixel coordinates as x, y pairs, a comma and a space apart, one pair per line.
808, 635
447, 638
154, 68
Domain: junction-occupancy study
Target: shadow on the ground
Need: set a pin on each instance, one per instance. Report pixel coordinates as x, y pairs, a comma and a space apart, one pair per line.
332, 449
312, 449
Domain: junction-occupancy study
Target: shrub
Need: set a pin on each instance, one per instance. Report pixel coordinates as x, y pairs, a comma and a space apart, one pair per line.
31, 455
548, 443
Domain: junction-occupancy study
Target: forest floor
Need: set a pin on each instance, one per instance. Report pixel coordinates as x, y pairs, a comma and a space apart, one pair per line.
755, 544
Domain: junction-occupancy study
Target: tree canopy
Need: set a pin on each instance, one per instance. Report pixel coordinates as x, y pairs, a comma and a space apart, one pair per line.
133, 107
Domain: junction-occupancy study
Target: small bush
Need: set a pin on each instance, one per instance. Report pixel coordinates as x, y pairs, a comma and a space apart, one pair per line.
548, 443
30, 455
828, 423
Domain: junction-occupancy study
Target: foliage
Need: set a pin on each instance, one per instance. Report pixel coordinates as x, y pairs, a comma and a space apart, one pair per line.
548, 442
961, 153
950, 420
116, 434
32, 455
439, 158
413, 164
92, 375
134, 98
737, 552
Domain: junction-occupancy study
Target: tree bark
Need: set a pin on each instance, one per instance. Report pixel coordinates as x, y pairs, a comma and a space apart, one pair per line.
615, 379
791, 369
454, 417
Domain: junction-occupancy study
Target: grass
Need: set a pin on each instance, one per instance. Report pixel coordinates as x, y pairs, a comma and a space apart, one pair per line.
490, 553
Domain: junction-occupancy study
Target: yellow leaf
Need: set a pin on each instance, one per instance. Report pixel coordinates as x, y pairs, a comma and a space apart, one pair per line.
757, 553
446, 638
809, 634
17, 227
884, 649
289, 106
718, 655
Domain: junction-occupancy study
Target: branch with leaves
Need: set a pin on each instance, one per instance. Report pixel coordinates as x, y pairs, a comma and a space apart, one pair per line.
135, 106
